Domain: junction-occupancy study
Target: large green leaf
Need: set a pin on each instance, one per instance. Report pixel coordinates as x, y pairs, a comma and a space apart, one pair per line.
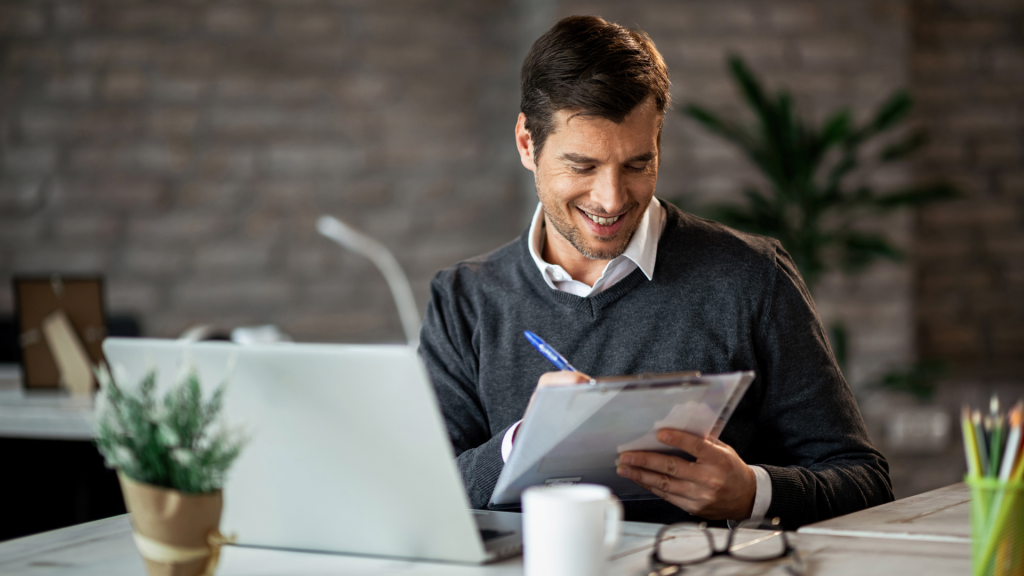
891, 112
905, 147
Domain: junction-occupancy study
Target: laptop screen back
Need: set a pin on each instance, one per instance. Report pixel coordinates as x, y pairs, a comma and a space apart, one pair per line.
347, 450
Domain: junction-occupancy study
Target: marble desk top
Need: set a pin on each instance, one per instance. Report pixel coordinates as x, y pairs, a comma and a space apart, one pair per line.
105, 548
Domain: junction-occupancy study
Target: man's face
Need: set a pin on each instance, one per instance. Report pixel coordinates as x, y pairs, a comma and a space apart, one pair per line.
595, 179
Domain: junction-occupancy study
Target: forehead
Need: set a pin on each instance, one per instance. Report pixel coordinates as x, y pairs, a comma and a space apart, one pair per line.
578, 132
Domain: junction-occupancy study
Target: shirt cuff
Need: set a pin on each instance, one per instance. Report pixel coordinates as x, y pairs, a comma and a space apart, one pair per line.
506, 451
762, 493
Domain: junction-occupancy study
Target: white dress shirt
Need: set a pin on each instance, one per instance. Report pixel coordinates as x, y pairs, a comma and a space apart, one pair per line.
641, 252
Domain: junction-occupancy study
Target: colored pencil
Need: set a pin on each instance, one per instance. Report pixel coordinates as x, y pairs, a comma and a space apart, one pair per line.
970, 444
1012, 453
979, 441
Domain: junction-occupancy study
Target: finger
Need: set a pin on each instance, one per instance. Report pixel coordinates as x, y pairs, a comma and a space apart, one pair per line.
696, 446
663, 463
562, 378
665, 483
678, 500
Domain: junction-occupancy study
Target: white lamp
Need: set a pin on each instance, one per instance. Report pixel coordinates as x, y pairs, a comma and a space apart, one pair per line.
401, 291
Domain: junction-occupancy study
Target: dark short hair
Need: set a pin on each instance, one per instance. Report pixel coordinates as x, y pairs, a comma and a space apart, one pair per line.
588, 64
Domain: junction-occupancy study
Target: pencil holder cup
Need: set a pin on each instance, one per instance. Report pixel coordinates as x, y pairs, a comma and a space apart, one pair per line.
997, 527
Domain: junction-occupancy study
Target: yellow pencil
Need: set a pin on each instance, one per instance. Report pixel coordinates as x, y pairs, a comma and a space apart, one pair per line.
970, 444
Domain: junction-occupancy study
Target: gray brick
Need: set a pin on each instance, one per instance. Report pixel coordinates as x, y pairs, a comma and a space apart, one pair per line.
29, 159
137, 194
830, 52
1008, 61
43, 124
154, 261
233, 258
126, 295
227, 296
99, 52
20, 232
178, 88
290, 89
232, 20
227, 161
174, 122
72, 88
731, 16
85, 229
307, 23
65, 259
290, 159
124, 85
72, 16
33, 56
152, 18
21, 21
179, 228
20, 195
794, 16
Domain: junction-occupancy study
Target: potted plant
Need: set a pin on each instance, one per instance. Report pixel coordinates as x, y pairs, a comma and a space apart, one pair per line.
813, 201
171, 463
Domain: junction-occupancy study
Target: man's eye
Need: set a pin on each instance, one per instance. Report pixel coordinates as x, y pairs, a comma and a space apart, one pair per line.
581, 169
635, 168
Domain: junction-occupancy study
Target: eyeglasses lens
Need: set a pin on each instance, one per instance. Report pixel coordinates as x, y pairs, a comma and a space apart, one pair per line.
749, 544
684, 544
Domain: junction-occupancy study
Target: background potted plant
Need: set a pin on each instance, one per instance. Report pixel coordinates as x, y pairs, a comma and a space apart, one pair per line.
171, 463
812, 204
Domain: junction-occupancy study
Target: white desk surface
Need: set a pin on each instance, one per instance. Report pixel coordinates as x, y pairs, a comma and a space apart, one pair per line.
941, 515
105, 548
41, 414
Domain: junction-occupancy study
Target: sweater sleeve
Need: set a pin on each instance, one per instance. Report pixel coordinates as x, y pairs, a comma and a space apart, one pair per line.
447, 351
832, 467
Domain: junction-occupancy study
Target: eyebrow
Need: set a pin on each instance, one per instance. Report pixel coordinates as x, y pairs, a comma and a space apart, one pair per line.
581, 159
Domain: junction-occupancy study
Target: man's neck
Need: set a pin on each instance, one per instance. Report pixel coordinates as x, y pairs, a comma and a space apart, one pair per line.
559, 251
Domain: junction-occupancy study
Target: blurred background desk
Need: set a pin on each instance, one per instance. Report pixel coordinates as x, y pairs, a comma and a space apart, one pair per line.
52, 474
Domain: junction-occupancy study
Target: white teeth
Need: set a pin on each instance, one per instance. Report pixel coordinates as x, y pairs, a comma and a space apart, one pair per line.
602, 221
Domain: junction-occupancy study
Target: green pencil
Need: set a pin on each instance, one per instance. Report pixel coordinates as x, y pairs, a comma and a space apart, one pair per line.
979, 437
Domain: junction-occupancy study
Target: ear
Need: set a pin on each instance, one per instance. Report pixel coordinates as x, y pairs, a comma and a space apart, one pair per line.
524, 143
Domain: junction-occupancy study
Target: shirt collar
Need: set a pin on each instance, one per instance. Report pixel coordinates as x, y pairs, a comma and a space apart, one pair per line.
642, 248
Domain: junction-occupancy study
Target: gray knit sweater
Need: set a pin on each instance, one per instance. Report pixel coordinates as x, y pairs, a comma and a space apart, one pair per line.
720, 301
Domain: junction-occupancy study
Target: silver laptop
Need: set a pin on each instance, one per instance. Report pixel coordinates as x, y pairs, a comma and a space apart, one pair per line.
347, 449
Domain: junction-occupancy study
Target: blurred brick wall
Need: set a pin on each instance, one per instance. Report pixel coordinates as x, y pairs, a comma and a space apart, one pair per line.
967, 73
184, 149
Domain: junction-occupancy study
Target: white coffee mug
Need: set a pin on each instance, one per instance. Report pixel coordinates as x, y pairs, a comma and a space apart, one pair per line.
569, 530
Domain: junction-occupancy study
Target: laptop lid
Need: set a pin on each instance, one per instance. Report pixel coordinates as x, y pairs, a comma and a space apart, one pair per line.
347, 450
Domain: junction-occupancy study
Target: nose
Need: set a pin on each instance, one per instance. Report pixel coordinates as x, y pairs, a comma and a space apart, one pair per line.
609, 192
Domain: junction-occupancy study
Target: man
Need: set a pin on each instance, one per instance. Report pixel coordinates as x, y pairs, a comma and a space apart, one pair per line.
622, 283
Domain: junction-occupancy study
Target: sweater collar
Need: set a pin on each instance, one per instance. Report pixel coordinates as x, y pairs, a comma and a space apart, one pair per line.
642, 252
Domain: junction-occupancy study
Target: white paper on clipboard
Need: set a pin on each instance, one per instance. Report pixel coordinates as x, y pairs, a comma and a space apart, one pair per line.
574, 433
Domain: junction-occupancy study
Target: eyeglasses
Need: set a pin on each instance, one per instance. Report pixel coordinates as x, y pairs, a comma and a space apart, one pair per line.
679, 545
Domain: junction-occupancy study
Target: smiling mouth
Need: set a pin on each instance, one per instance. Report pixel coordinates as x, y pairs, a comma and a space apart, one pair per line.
600, 219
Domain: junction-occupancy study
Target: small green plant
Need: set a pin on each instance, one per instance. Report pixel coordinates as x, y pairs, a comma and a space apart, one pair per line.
167, 442
812, 204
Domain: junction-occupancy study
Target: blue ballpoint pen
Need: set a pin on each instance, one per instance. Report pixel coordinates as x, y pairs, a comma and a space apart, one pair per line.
548, 352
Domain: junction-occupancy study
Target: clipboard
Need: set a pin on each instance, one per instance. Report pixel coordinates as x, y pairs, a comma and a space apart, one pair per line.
573, 434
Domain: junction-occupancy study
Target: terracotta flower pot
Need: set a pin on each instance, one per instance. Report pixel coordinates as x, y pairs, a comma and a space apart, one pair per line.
176, 534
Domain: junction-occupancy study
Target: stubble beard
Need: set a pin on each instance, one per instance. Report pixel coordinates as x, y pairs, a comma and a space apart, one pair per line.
576, 237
